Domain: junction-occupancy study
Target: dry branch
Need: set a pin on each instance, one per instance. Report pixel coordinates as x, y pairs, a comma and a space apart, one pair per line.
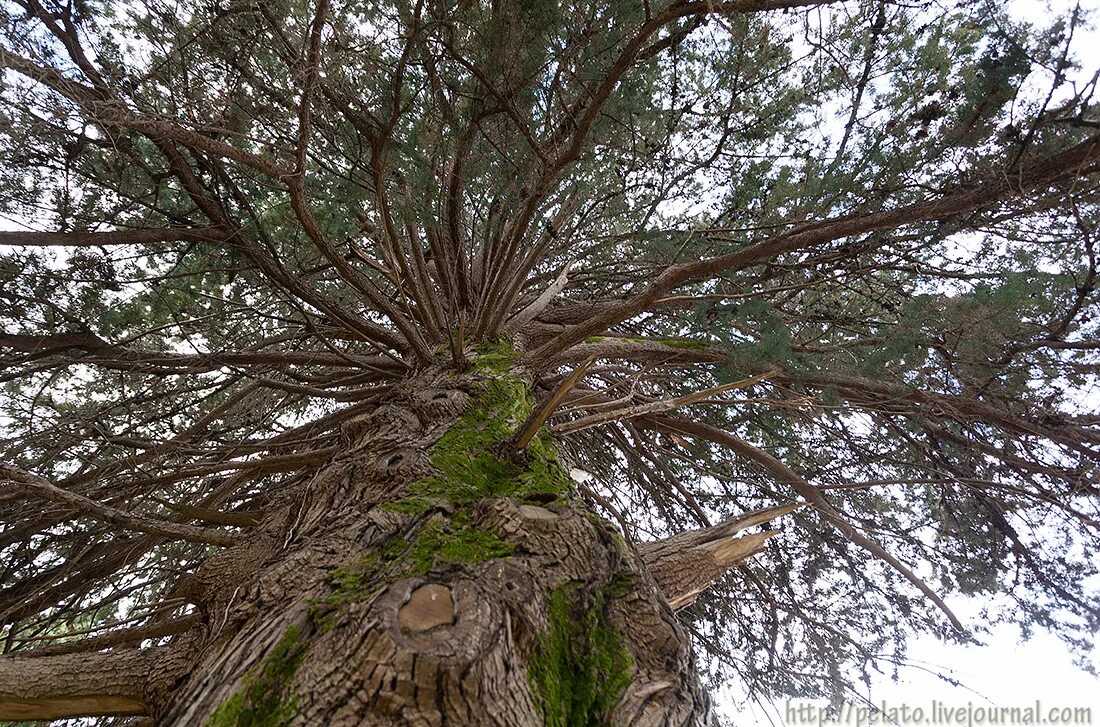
687, 563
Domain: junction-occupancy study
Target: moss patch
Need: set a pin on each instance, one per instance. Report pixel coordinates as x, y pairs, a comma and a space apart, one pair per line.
474, 462
262, 701
439, 540
495, 356
673, 342
471, 458
352, 579
683, 343
414, 506
455, 542
358, 577
670, 342
579, 668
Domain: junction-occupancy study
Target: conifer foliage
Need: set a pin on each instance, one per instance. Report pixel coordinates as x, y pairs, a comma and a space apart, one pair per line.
753, 252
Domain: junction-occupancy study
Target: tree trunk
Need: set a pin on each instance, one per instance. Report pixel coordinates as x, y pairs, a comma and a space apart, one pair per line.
429, 574
437, 569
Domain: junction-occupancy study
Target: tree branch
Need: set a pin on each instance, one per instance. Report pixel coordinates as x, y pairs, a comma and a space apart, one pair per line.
653, 407
114, 355
34, 486
78, 685
113, 639
113, 237
804, 488
1071, 163
529, 313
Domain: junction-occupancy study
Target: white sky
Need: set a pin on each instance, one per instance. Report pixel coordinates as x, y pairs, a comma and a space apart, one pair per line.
1004, 672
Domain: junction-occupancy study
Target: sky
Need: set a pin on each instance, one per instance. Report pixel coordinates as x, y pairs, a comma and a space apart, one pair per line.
1005, 672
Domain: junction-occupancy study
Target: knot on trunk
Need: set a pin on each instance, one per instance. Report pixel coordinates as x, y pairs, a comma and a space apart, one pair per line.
429, 606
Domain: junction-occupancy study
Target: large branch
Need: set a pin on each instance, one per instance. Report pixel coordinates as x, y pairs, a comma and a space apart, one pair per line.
113, 237
1069, 164
113, 355
115, 639
633, 411
520, 321
912, 401
79, 685
866, 393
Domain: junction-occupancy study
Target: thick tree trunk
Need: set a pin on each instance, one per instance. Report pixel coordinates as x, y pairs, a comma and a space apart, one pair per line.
428, 575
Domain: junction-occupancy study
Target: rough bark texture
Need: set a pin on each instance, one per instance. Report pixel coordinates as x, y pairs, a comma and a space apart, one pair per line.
119, 683
427, 576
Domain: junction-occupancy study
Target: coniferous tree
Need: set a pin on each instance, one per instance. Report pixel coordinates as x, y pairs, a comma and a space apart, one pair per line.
447, 360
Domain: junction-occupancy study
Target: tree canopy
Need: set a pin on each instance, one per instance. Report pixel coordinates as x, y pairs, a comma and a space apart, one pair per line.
762, 251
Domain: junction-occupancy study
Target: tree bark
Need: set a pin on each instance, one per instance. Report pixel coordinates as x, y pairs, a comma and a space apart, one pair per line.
112, 683
430, 574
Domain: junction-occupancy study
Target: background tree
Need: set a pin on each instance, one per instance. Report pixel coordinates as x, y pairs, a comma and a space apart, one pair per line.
313, 305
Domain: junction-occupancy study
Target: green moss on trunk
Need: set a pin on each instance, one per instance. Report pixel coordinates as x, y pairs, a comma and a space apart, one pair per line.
579, 668
670, 342
263, 700
439, 540
495, 357
683, 343
414, 506
472, 456
455, 542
